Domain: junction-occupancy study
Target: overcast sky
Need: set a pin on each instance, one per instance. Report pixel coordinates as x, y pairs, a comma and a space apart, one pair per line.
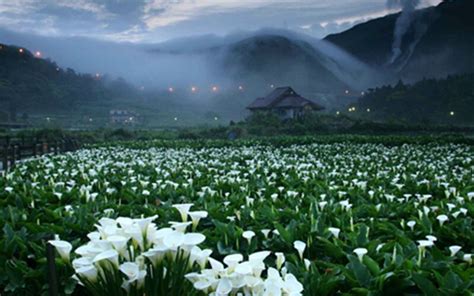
150, 21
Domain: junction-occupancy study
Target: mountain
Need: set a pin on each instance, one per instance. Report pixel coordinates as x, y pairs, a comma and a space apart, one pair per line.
438, 42
32, 85
279, 60
37, 91
271, 56
439, 101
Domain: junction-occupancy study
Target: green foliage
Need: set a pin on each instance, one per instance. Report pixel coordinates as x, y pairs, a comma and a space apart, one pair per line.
67, 194
426, 102
32, 85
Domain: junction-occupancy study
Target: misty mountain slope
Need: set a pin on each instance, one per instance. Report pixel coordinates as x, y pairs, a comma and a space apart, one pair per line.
278, 60
371, 42
439, 41
448, 45
272, 56
33, 85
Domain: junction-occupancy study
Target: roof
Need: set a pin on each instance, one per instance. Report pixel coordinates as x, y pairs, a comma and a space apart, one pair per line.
283, 97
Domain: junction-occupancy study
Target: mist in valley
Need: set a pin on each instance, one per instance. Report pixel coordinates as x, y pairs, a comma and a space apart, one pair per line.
203, 75
211, 79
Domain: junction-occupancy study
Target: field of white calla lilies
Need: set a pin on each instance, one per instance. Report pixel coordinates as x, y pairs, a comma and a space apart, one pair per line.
310, 219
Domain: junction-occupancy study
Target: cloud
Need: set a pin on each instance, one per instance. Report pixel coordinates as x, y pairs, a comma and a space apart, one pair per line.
99, 11
158, 20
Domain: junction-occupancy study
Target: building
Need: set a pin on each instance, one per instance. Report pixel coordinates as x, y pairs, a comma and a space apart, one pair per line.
123, 117
284, 102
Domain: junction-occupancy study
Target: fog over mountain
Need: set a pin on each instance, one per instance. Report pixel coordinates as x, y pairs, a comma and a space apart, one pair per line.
433, 42
200, 61
367, 55
211, 73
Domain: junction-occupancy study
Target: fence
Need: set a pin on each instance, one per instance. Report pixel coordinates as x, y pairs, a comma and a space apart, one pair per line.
14, 149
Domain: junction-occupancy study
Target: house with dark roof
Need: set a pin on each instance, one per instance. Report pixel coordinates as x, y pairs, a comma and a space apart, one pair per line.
284, 102
123, 117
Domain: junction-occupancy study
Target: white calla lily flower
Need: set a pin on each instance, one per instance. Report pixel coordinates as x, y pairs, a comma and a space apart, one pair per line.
111, 256
454, 250
300, 247
64, 248
233, 260
89, 272
280, 259
183, 210
334, 231
248, 235
360, 252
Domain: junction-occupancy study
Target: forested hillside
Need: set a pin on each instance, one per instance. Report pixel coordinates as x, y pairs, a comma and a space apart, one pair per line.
438, 42
30, 84
429, 101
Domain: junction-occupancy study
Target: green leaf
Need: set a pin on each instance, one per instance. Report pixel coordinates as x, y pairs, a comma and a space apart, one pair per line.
361, 272
425, 285
284, 234
451, 281
372, 265
362, 237
70, 286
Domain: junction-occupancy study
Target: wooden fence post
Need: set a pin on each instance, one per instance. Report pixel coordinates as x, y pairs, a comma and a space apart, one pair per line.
11, 152
17, 153
5, 158
52, 275
12, 156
